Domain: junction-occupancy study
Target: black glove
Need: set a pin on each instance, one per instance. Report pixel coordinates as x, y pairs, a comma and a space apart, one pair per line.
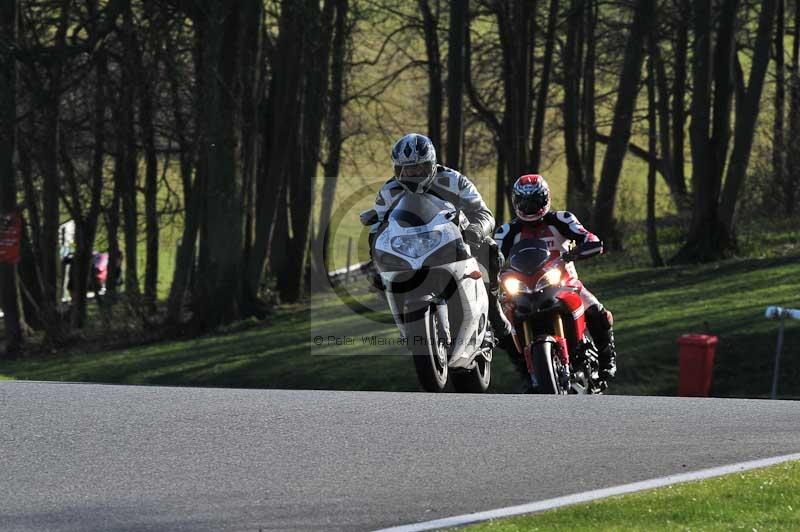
569, 256
368, 218
473, 234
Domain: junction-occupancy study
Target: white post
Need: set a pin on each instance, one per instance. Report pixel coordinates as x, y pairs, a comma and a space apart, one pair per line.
781, 314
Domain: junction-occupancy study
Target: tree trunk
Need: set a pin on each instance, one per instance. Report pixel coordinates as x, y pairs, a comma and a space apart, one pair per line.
115, 255
223, 222
588, 112
193, 192
516, 27
793, 153
430, 25
86, 225
48, 242
544, 87
147, 111
279, 239
252, 102
652, 236
577, 193
700, 127
746, 117
459, 15
9, 284
679, 98
333, 126
708, 238
492, 122
723, 71
316, 53
129, 152
500, 191
30, 275
281, 126
604, 220
778, 142
677, 191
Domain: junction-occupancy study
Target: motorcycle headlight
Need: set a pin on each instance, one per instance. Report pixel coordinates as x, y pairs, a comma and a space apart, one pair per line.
550, 278
513, 286
416, 246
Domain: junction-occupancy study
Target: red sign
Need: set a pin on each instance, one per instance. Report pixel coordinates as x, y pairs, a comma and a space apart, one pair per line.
10, 236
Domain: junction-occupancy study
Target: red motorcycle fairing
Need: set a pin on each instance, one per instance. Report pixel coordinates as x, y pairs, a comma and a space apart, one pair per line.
571, 298
572, 301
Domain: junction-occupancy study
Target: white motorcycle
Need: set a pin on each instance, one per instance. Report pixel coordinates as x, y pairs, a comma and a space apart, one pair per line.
436, 293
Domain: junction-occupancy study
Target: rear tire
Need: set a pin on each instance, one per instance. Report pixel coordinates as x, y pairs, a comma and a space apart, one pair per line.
546, 365
428, 352
475, 380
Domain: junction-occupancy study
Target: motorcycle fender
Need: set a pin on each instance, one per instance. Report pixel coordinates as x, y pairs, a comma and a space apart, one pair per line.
562, 346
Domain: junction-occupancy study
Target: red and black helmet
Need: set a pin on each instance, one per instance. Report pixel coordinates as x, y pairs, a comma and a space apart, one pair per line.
531, 197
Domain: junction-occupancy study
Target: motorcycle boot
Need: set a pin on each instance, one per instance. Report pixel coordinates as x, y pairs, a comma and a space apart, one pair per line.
600, 324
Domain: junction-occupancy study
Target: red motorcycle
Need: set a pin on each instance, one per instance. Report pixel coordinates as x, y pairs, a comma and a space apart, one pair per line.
542, 299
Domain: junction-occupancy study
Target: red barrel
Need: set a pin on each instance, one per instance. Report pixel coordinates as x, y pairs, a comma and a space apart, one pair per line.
696, 357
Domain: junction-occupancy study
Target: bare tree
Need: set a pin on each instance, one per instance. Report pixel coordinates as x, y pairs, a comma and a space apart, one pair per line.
748, 103
281, 125
652, 236
579, 182
778, 141
604, 220
544, 85
333, 123
147, 110
459, 25
793, 154
222, 223
430, 28
9, 289
711, 233
192, 183
316, 50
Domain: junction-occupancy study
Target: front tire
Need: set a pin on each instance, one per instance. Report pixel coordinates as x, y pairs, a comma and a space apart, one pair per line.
546, 366
475, 380
428, 351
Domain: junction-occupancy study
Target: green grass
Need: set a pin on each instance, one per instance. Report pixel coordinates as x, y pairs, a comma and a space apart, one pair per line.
766, 499
652, 308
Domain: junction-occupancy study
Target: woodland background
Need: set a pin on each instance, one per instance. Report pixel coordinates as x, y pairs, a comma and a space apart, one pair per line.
189, 138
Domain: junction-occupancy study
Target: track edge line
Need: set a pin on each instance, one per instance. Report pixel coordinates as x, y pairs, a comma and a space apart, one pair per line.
592, 495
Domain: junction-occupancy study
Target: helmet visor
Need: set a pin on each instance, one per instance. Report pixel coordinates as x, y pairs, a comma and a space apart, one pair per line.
530, 204
414, 175
411, 171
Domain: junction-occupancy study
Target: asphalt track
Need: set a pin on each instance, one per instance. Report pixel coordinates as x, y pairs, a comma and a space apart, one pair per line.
76, 457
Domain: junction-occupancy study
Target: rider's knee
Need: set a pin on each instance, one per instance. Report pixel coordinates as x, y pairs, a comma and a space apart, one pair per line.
600, 315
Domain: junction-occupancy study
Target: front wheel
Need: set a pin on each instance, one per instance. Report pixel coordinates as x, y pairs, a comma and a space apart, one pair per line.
475, 380
428, 351
547, 367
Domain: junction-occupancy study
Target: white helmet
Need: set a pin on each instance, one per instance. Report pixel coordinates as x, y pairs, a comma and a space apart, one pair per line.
414, 161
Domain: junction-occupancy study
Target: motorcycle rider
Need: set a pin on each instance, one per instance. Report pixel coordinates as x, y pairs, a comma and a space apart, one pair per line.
416, 171
559, 229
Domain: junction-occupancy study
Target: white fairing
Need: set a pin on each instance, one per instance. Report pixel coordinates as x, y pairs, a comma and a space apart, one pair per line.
468, 336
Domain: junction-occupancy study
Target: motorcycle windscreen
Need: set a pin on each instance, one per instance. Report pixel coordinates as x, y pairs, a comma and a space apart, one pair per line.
415, 210
528, 256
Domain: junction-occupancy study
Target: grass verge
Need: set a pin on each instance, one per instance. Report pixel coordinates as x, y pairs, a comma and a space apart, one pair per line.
765, 499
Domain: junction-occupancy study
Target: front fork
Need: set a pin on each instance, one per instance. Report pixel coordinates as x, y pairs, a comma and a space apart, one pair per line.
558, 329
